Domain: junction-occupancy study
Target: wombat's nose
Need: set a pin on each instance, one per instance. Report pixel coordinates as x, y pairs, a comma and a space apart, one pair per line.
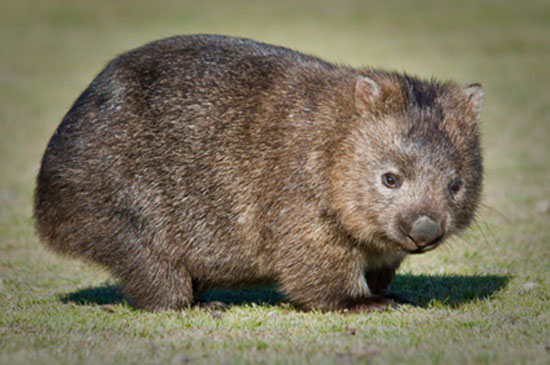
424, 231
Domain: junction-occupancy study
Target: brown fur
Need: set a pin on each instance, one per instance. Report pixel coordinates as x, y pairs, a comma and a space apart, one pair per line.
207, 161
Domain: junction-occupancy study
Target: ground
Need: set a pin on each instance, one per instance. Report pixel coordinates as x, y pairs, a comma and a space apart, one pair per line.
482, 298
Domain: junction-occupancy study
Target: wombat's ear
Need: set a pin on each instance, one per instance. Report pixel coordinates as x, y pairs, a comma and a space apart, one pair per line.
367, 92
474, 96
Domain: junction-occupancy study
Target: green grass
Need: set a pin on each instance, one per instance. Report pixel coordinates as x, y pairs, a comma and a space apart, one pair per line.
483, 298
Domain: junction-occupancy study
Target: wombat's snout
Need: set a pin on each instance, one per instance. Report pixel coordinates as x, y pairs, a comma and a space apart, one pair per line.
423, 234
424, 231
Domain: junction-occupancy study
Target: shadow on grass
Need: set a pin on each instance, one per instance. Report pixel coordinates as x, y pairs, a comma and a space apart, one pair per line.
449, 290
100, 295
110, 294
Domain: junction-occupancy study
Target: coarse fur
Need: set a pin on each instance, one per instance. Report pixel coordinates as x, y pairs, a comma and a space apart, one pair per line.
209, 161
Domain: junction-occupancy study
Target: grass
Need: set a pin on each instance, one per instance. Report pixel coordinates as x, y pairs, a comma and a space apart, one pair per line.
483, 298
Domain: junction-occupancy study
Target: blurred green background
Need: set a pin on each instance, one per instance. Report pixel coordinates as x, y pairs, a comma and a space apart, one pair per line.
51, 50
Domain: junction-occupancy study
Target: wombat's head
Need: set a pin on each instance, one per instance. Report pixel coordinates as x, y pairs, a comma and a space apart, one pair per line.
409, 171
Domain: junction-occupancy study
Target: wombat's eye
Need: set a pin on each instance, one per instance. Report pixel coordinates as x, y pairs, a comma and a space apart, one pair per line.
455, 185
391, 180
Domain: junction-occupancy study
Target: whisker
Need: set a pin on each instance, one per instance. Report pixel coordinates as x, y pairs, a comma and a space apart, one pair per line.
494, 210
476, 223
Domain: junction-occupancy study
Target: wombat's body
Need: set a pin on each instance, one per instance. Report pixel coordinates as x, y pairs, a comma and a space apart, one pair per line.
207, 161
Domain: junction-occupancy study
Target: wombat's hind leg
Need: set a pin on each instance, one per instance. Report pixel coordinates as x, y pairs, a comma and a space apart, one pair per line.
157, 286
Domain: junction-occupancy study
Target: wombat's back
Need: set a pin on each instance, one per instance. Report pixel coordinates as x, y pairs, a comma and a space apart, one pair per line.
181, 147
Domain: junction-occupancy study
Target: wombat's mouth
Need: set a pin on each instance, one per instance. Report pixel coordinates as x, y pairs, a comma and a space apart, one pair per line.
410, 246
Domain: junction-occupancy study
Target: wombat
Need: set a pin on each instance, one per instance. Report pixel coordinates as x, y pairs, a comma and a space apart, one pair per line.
206, 161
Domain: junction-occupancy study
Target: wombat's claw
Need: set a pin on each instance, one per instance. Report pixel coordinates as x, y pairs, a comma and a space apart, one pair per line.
400, 299
375, 304
212, 306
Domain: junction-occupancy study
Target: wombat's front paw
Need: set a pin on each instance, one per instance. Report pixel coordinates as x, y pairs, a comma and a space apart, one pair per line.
374, 304
213, 305
400, 299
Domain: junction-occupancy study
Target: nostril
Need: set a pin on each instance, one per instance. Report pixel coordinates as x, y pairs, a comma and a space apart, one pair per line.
425, 231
